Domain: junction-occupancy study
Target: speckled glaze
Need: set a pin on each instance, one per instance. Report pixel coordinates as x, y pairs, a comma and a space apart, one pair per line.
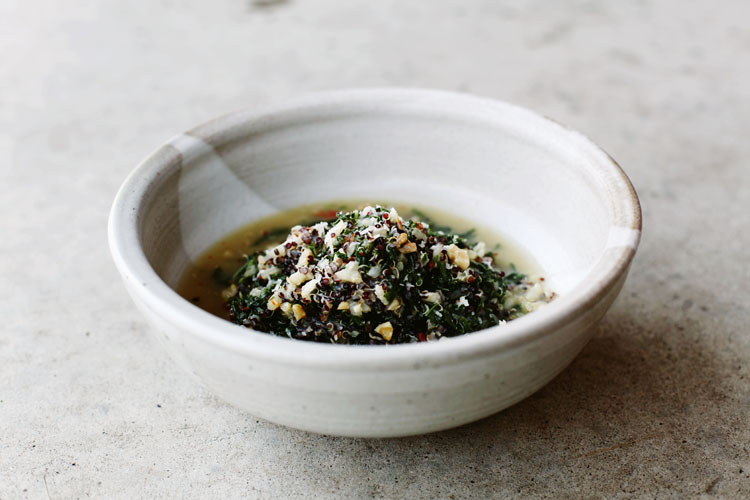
546, 187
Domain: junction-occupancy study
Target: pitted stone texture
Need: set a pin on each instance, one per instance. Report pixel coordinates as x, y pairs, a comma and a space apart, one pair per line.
657, 405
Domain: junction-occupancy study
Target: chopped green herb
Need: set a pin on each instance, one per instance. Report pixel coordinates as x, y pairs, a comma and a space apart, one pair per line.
372, 277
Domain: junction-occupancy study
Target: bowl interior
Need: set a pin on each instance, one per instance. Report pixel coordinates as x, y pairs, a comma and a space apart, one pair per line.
543, 186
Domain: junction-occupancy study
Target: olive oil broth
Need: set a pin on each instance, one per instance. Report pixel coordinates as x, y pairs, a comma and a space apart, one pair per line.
210, 274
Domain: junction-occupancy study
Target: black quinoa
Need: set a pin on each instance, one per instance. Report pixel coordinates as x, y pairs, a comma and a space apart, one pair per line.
378, 278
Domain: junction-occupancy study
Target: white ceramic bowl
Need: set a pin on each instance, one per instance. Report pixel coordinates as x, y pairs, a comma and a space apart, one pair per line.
545, 186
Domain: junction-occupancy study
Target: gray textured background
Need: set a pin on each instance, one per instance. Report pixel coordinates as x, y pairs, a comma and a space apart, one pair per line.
657, 405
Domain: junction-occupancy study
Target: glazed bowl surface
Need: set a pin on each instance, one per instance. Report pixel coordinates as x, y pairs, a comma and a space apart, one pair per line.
548, 188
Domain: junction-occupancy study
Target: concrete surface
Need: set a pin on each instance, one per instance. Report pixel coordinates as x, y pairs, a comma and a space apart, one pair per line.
657, 405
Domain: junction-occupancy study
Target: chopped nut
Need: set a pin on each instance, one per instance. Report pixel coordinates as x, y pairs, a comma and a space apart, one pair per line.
408, 248
385, 330
299, 312
274, 303
344, 306
285, 307
458, 256
401, 239
395, 304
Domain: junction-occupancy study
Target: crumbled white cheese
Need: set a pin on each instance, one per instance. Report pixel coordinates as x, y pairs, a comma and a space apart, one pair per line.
304, 258
324, 265
268, 272
264, 262
367, 221
297, 278
463, 275
394, 217
349, 273
480, 249
334, 233
380, 294
375, 232
309, 288
256, 292
277, 251
374, 271
350, 248
462, 301
433, 297
320, 227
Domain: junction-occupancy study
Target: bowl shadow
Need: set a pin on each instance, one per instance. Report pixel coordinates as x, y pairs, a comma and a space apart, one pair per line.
625, 415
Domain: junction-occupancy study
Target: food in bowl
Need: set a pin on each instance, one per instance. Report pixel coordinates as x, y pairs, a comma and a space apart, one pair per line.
365, 276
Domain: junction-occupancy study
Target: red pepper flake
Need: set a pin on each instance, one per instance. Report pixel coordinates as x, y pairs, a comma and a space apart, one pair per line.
431, 265
421, 337
385, 215
541, 279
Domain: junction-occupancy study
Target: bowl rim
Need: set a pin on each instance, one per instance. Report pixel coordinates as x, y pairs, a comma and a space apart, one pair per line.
150, 291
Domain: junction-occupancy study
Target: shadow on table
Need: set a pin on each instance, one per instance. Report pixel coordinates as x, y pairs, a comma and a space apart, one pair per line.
627, 414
